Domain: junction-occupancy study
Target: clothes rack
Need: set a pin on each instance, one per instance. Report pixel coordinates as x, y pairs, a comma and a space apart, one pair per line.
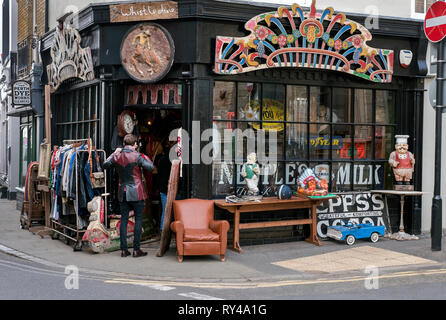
62, 229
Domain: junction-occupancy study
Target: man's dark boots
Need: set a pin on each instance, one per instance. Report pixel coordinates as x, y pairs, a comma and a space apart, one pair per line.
139, 253
125, 253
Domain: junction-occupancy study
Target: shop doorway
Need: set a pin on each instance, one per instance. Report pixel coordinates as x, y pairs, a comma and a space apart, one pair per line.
153, 128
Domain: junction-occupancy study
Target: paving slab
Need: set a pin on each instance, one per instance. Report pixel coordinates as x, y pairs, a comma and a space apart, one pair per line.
272, 262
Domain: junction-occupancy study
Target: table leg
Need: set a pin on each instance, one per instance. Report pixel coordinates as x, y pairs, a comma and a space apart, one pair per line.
402, 214
236, 245
313, 228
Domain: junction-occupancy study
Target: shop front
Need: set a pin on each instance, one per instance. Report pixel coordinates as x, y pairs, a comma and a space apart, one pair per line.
324, 93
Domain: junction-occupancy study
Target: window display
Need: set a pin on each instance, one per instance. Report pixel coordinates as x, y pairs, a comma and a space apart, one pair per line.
344, 135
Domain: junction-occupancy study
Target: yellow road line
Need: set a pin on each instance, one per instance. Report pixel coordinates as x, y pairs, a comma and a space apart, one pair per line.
277, 283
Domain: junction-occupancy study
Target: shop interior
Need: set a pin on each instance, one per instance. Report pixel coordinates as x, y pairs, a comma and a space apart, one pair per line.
152, 127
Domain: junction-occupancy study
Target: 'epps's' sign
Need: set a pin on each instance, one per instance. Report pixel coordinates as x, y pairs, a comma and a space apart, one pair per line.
360, 207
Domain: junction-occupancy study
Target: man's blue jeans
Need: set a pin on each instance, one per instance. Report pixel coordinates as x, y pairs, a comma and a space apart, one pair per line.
138, 208
163, 206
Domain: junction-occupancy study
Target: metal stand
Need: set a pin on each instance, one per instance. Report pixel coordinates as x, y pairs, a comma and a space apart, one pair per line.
56, 226
401, 235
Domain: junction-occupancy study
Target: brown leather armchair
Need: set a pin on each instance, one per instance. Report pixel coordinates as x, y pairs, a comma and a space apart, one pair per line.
197, 233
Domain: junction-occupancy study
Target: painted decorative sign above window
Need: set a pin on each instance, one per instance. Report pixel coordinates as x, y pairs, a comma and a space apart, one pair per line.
143, 11
292, 38
69, 59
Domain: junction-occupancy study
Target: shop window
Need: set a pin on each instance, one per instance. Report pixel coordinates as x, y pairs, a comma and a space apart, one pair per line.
320, 104
344, 134
297, 103
320, 141
420, 7
385, 107
363, 106
296, 144
76, 113
248, 101
342, 105
27, 146
224, 100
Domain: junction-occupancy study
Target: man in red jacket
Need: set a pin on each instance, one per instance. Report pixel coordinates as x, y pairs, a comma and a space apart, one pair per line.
131, 195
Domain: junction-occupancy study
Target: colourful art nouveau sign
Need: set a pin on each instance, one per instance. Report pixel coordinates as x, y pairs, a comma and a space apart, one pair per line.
292, 38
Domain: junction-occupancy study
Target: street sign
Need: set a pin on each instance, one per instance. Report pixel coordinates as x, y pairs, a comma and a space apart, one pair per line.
435, 22
21, 93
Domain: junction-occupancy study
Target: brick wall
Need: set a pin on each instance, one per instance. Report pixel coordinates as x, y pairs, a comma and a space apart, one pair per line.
25, 31
25, 18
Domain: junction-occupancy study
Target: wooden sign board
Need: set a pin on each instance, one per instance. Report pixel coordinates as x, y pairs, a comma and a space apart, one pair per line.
172, 191
143, 11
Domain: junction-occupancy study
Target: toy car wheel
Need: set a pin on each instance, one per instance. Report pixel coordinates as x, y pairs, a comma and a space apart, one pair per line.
350, 240
374, 237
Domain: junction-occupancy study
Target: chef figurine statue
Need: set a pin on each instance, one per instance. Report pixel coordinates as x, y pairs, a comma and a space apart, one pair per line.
250, 172
402, 161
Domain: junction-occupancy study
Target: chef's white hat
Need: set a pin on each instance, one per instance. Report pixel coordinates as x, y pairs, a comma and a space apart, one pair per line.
401, 139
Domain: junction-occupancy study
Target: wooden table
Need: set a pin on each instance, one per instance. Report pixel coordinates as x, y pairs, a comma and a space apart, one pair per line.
272, 204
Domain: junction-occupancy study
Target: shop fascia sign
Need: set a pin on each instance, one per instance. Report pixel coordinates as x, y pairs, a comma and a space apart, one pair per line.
143, 11
21, 94
292, 38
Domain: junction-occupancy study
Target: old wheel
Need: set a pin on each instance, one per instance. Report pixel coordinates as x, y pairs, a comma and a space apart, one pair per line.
374, 237
350, 240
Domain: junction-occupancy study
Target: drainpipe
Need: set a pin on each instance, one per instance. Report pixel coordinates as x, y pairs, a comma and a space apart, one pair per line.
36, 86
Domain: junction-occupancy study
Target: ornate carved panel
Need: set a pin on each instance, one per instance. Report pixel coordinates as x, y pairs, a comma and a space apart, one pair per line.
69, 59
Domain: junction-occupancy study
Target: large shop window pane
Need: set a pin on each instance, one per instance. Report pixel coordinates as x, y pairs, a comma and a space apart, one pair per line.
363, 176
319, 141
342, 142
248, 101
296, 143
342, 104
341, 176
271, 176
363, 106
245, 139
385, 107
297, 103
223, 141
384, 142
363, 142
320, 104
223, 178
270, 143
224, 100
273, 105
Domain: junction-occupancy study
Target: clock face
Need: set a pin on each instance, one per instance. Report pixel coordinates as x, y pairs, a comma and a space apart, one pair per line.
128, 123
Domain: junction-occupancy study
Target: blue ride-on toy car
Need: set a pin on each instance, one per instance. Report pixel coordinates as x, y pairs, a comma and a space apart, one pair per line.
352, 231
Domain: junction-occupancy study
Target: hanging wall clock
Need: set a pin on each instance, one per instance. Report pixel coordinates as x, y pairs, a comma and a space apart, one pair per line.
126, 124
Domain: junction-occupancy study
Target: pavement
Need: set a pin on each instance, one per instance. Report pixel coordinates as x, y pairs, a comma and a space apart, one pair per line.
271, 264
